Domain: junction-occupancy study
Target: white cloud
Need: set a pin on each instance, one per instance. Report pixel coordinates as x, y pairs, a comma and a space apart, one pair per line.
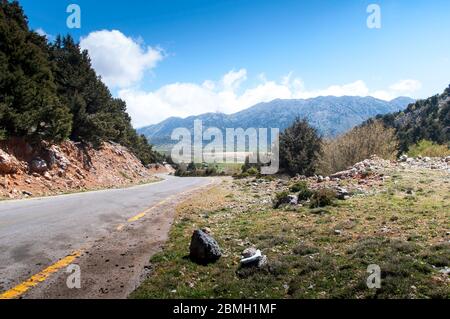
406, 86
120, 60
227, 96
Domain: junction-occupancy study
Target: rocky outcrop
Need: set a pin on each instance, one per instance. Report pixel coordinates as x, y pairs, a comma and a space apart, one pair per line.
204, 249
48, 169
9, 164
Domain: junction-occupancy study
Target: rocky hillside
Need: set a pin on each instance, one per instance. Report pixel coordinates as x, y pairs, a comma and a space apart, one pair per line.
48, 169
427, 119
331, 115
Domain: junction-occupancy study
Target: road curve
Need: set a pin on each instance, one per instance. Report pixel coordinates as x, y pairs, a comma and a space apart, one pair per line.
36, 233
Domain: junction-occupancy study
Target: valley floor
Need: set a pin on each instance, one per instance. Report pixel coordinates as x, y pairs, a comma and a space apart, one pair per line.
400, 223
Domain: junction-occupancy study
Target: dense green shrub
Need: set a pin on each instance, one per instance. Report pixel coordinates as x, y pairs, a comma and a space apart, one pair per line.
300, 149
322, 197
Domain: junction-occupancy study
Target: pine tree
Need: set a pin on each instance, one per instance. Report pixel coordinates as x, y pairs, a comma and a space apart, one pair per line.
300, 148
29, 104
97, 116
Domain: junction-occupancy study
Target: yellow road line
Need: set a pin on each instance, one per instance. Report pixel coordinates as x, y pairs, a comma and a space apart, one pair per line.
137, 217
20, 289
33, 281
142, 215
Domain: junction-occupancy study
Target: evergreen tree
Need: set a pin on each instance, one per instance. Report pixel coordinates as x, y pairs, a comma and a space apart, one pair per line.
300, 148
97, 116
29, 105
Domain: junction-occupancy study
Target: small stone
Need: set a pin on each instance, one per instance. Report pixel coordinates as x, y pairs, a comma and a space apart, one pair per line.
338, 232
47, 176
249, 252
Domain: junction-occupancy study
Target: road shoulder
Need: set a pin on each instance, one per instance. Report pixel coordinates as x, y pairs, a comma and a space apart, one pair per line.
115, 265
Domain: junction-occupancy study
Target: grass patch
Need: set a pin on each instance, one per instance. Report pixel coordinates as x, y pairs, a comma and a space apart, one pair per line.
307, 258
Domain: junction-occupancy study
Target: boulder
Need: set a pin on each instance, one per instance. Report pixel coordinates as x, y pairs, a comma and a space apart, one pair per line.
8, 163
204, 249
38, 166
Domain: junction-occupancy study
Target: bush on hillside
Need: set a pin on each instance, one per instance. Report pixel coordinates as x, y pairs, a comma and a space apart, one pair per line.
428, 149
322, 197
357, 145
300, 149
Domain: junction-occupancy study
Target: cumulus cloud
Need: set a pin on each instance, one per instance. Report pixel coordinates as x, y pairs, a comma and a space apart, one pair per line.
227, 95
120, 60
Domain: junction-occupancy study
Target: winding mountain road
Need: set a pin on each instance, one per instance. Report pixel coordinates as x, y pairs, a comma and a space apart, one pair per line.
37, 233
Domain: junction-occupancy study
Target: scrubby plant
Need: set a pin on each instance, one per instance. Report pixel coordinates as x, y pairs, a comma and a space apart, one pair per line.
322, 197
280, 199
357, 145
429, 149
304, 193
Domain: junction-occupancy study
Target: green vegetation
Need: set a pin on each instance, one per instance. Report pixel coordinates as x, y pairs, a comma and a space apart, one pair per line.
280, 199
307, 258
300, 149
424, 120
51, 91
29, 102
199, 170
304, 193
322, 198
429, 149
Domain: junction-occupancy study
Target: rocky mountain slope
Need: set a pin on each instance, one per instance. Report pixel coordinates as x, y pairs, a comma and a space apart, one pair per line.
49, 169
331, 115
427, 119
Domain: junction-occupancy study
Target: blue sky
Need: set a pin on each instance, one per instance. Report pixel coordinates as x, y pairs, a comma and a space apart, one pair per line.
189, 57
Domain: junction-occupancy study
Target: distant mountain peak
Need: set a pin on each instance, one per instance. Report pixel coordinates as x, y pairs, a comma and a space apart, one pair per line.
331, 115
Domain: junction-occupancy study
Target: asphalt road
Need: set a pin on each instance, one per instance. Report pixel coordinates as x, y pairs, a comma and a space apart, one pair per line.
36, 233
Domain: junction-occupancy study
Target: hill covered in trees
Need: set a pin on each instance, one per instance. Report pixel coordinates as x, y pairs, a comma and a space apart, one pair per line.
427, 119
49, 91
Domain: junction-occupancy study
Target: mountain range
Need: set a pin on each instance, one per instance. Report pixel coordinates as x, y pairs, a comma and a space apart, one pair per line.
331, 115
